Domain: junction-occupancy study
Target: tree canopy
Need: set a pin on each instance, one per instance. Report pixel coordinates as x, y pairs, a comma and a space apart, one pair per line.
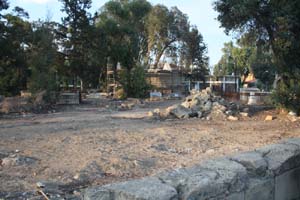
42, 55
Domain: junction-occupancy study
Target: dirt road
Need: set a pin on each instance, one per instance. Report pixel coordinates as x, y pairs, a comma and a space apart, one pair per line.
123, 145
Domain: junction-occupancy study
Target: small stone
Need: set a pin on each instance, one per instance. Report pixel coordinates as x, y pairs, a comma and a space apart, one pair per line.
292, 114
210, 151
208, 90
229, 112
40, 185
244, 114
76, 177
208, 106
186, 104
200, 114
157, 111
293, 118
150, 114
208, 118
246, 110
232, 118
269, 118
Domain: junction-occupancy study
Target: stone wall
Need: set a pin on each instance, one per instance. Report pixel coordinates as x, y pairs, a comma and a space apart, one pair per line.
269, 173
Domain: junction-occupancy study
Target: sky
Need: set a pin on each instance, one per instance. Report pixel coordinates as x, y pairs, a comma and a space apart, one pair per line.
200, 13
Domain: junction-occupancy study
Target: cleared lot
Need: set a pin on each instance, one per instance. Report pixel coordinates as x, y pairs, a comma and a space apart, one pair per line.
118, 145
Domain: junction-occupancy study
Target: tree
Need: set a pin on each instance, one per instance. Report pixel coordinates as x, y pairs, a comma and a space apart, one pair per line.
165, 27
123, 23
277, 23
77, 40
14, 42
42, 59
244, 58
226, 64
193, 53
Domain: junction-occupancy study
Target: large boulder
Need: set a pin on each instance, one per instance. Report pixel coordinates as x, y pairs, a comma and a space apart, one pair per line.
179, 111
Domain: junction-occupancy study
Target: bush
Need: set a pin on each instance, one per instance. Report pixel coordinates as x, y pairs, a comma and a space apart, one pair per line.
120, 94
134, 83
287, 95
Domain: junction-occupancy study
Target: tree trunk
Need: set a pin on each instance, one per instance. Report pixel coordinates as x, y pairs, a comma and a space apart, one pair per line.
159, 55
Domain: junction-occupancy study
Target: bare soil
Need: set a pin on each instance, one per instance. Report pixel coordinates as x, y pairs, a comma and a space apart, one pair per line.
125, 144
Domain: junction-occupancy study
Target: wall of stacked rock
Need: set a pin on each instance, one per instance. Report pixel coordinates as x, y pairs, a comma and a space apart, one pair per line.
269, 173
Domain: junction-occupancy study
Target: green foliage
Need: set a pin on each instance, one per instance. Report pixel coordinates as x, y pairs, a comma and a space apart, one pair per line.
288, 95
245, 58
277, 24
83, 43
235, 60
42, 60
134, 82
193, 52
14, 41
120, 93
124, 25
38, 55
166, 29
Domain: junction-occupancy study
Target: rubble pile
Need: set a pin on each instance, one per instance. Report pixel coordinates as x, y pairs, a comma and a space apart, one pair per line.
203, 104
19, 104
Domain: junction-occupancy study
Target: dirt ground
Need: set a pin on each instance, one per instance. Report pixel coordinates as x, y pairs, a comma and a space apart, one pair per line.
124, 144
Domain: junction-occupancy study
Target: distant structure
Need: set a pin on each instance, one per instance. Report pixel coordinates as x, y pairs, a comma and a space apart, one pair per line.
167, 78
111, 73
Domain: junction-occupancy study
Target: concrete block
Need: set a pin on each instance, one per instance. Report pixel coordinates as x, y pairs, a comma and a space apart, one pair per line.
143, 189
260, 189
287, 185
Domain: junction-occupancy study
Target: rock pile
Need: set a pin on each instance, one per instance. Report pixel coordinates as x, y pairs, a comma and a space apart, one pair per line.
203, 104
34, 104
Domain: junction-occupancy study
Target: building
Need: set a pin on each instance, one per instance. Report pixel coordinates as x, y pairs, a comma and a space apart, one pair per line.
167, 79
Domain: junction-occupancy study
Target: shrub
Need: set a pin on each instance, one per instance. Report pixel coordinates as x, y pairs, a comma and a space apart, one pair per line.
287, 95
134, 82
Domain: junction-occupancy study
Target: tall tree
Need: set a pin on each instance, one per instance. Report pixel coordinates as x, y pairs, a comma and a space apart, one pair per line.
226, 64
195, 49
42, 58
165, 28
124, 25
14, 41
76, 31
